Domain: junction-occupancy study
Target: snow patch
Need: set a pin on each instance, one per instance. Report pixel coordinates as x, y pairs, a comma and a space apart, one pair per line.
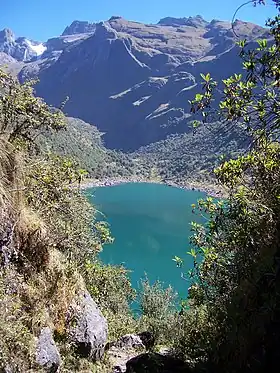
36, 48
159, 111
121, 94
75, 37
141, 100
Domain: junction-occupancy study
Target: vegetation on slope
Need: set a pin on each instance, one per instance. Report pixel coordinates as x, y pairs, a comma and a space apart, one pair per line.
191, 157
83, 143
235, 293
186, 158
49, 238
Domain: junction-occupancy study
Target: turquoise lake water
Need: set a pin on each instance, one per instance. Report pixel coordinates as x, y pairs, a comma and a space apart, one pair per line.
150, 224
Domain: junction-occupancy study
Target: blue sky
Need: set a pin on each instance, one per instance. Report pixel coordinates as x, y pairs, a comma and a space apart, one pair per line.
42, 19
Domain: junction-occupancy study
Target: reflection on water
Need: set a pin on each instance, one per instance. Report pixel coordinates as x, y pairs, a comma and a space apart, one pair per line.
150, 224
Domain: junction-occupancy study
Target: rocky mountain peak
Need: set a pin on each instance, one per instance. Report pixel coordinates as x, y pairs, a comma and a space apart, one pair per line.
196, 21
104, 30
7, 35
115, 18
79, 27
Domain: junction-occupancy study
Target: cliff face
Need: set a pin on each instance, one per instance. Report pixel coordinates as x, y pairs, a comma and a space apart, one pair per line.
133, 81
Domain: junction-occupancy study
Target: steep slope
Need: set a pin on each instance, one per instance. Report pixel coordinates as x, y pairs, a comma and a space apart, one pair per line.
83, 143
133, 81
10, 64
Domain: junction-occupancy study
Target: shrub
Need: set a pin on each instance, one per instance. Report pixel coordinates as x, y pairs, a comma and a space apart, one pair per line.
158, 311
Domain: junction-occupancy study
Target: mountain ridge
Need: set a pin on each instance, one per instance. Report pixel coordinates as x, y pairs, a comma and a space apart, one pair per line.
132, 80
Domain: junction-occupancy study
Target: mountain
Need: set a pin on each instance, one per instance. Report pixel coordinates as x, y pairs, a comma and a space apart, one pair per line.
132, 80
22, 49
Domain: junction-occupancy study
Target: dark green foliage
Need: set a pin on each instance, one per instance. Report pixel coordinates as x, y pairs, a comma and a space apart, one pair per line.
23, 116
83, 143
49, 237
191, 157
158, 311
236, 283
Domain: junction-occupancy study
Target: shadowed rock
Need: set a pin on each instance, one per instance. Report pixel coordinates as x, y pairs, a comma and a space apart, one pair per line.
156, 363
127, 341
141, 340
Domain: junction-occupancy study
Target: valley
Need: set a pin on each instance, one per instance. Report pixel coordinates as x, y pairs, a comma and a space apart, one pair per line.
139, 188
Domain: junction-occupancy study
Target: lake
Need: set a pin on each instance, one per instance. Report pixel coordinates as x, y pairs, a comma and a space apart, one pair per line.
150, 224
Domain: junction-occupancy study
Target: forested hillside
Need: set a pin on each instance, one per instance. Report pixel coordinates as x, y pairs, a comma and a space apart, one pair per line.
84, 144
190, 158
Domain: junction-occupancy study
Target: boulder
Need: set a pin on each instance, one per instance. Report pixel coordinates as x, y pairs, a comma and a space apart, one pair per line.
127, 341
156, 363
47, 355
142, 340
87, 328
147, 339
126, 348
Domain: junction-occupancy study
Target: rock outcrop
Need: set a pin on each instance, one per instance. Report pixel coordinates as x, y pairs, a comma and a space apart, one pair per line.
128, 347
124, 349
128, 355
144, 340
196, 21
87, 328
47, 355
79, 27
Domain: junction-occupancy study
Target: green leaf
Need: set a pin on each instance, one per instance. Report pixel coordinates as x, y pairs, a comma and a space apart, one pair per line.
203, 76
198, 97
192, 253
179, 262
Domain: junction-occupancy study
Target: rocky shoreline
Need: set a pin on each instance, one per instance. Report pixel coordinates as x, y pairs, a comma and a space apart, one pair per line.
212, 191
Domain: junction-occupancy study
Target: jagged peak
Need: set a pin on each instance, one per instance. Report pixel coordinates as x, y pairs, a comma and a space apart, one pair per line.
7, 35
79, 27
115, 18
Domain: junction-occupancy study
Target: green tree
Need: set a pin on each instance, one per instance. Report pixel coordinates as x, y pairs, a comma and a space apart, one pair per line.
22, 115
